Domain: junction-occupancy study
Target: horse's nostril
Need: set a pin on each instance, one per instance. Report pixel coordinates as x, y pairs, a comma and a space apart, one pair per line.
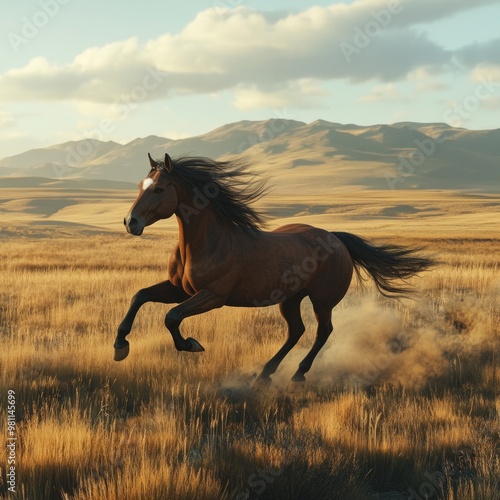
124, 222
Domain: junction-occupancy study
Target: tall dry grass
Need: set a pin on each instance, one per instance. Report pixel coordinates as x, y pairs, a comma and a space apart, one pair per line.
402, 403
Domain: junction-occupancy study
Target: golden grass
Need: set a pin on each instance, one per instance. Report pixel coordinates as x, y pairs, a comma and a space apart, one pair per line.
403, 401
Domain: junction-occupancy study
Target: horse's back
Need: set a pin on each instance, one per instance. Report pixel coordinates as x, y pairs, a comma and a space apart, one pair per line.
317, 238
330, 262
292, 259
297, 228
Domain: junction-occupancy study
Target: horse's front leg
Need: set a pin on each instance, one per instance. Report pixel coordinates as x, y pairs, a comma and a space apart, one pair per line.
203, 301
164, 292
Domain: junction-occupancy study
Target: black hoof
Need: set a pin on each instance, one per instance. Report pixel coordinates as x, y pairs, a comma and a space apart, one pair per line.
193, 345
299, 377
121, 351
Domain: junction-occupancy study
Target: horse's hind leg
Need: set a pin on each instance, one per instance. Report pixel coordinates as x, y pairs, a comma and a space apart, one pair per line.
290, 310
325, 328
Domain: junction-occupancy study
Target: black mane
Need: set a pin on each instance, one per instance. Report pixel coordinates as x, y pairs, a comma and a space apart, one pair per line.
235, 186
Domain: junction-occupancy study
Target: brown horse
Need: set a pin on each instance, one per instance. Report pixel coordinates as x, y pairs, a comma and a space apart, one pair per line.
223, 257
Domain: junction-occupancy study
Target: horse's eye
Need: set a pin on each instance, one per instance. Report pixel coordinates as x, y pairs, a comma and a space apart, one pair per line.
158, 190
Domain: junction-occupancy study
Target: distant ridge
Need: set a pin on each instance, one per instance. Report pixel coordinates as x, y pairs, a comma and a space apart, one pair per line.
44, 182
314, 156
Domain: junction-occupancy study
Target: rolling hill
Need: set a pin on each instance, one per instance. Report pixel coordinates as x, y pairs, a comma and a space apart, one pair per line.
317, 156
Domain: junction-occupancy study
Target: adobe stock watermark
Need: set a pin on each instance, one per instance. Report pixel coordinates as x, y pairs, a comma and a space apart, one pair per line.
275, 126
200, 201
258, 482
455, 117
461, 111
374, 368
32, 25
428, 489
363, 36
122, 108
295, 277
11, 441
437, 481
407, 165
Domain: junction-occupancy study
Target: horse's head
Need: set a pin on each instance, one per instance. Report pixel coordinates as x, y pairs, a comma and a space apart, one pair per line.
157, 197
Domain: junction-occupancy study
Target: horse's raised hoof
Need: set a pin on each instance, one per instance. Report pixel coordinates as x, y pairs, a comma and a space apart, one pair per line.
194, 345
121, 352
299, 378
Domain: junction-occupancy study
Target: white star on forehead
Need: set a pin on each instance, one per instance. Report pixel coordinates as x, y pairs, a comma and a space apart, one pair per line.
146, 183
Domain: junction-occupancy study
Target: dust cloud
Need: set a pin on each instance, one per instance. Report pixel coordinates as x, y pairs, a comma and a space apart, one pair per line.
376, 341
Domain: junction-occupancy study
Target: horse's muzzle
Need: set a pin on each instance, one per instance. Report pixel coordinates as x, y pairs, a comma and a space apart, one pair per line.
133, 226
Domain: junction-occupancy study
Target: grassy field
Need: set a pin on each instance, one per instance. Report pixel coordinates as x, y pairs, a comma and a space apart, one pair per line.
402, 403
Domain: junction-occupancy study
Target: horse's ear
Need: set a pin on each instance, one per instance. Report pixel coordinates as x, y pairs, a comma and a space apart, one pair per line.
154, 164
168, 164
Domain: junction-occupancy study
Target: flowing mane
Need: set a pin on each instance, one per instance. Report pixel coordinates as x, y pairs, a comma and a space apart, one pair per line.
237, 187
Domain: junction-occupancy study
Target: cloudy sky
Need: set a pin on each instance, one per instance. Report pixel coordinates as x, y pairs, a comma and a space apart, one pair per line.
71, 69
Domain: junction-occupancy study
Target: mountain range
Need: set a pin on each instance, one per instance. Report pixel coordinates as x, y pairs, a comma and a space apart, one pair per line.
314, 157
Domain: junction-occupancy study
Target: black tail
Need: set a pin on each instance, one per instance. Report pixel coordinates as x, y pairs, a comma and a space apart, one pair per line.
385, 263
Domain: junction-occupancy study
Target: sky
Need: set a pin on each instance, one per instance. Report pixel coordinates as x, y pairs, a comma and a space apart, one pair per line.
74, 69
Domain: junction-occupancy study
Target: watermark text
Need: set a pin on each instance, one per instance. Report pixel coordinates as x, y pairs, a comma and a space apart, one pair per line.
11, 441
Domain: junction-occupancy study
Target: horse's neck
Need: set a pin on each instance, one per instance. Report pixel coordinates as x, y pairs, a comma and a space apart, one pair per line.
201, 232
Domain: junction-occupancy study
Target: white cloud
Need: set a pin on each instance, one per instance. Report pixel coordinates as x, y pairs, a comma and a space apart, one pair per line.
388, 92
112, 57
488, 73
305, 93
252, 52
432, 86
427, 82
487, 85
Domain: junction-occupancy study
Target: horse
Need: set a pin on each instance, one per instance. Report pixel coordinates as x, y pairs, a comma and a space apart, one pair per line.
224, 257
